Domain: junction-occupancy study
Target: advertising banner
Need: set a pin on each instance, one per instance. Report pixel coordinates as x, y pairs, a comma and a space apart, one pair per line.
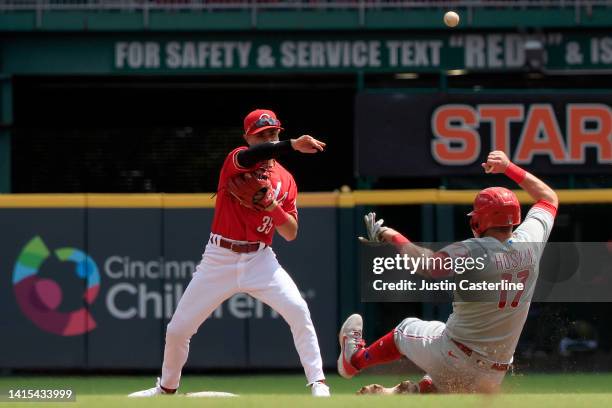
311, 52
95, 288
436, 135
127, 246
420, 52
46, 288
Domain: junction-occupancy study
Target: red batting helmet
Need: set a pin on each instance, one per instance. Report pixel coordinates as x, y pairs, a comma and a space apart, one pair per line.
260, 120
494, 207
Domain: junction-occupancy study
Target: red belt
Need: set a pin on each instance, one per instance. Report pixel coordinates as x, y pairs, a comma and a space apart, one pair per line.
237, 247
468, 351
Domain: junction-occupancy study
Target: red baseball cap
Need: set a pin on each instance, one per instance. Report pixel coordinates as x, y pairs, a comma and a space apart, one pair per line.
260, 120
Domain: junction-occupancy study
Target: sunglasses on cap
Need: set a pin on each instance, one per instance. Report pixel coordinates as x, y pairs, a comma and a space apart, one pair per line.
265, 120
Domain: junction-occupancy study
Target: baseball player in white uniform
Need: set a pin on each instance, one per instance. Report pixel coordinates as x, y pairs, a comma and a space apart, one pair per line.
238, 256
472, 351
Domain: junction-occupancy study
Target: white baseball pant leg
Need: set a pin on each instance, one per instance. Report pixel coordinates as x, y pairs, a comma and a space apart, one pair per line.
427, 345
214, 281
265, 279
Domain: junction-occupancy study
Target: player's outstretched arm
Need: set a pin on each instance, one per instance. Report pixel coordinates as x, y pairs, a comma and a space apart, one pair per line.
406, 247
378, 233
498, 162
272, 150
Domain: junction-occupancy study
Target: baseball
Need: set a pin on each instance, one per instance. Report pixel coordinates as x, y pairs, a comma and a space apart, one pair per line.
451, 18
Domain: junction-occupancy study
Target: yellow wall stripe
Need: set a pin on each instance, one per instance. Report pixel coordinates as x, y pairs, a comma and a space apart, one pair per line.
124, 200
42, 200
206, 200
323, 199
318, 199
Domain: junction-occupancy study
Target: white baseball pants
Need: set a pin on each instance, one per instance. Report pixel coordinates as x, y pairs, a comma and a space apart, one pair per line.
427, 345
223, 273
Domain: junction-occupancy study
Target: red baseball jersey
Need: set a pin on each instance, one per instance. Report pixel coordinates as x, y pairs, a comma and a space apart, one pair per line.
232, 220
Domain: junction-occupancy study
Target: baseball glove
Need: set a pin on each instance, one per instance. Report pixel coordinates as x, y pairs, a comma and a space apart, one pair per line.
373, 228
253, 190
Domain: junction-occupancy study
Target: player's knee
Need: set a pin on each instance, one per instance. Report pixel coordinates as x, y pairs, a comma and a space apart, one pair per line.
403, 327
297, 311
407, 323
409, 320
177, 330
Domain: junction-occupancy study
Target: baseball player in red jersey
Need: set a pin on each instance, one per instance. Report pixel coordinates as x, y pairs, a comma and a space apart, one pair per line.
472, 351
238, 256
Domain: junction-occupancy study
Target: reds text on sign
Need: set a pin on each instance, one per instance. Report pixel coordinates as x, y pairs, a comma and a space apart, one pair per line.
370, 53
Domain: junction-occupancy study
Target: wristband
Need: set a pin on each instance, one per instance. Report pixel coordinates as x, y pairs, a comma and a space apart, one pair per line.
515, 173
399, 239
279, 216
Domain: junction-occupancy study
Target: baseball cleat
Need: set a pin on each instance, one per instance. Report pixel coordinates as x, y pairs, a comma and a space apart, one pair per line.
351, 341
151, 392
320, 389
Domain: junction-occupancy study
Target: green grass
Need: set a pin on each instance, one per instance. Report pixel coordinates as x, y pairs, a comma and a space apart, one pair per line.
524, 391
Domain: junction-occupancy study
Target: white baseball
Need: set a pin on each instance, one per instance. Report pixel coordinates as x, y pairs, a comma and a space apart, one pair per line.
451, 18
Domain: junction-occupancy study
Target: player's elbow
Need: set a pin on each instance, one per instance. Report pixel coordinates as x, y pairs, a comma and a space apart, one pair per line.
552, 198
290, 236
288, 230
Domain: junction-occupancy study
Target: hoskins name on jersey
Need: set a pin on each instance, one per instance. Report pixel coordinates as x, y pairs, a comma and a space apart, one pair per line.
514, 259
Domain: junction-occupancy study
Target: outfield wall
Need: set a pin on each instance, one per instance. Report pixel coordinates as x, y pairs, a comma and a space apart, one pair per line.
90, 281
63, 310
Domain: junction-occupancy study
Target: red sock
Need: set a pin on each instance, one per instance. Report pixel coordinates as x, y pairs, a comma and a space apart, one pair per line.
381, 351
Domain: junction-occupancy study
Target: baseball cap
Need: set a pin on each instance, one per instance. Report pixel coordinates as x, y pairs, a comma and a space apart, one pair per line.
260, 120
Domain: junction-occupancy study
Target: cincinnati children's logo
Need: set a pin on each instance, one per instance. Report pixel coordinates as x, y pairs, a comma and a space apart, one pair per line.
39, 298
133, 289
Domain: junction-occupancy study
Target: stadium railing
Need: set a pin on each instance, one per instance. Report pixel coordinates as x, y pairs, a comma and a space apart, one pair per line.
361, 7
248, 4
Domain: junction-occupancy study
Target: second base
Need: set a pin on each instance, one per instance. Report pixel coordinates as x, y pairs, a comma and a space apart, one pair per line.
210, 394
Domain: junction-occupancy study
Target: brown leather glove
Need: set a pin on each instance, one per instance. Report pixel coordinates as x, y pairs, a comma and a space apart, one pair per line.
253, 190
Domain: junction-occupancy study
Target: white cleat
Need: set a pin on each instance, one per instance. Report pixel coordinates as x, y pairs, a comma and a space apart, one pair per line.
320, 389
351, 341
151, 392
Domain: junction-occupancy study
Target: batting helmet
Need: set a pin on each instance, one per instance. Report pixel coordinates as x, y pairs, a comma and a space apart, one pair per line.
494, 207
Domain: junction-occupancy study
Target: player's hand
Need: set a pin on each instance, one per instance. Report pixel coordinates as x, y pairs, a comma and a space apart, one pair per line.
307, 144
374, 228
272, 206
497, 162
